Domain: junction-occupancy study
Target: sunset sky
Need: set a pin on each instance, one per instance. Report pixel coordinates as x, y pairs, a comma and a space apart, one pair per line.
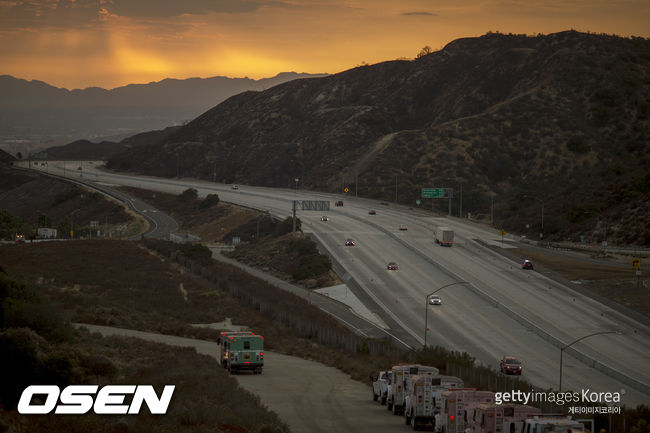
109, 43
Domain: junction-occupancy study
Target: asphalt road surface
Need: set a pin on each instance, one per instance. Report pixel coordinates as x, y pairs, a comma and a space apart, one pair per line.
501, 309
310, 397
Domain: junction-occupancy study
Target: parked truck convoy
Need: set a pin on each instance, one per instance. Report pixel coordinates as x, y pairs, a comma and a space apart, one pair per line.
444, 236
241, 350
441, 404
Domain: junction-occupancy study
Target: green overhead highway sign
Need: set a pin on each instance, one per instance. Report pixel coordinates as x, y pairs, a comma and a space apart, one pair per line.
433, 192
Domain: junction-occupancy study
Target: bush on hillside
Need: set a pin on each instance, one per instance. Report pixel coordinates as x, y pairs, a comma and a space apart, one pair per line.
188, 195
209, 201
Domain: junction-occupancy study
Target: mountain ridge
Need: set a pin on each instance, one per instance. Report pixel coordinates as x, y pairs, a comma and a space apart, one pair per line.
559, 120
37, 112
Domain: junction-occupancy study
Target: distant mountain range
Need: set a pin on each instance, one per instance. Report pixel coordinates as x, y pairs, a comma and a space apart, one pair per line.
34, 111
559, 122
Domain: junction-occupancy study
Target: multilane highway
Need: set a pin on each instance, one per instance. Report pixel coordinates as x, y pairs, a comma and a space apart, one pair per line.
501, 309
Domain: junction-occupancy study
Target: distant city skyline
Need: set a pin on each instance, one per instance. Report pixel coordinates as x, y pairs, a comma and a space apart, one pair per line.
110, 43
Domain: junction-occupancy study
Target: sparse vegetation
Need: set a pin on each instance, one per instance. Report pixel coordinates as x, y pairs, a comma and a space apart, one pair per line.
209, 201
188, 195
38, 346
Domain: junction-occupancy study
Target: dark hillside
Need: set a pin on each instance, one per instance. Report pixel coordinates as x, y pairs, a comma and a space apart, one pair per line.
560, 119
6, 158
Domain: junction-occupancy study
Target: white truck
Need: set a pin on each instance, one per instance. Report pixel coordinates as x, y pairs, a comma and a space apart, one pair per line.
444, 236
380, 385
423, 398
505, 418
400, 381
548, 424
458, 409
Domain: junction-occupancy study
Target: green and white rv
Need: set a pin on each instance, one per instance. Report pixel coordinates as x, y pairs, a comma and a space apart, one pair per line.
241, 351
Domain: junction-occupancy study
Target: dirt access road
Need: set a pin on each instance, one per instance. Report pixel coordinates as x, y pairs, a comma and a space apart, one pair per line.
309, 396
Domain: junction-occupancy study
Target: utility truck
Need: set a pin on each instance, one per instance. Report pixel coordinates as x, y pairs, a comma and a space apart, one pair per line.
444, 236
501, 418
458, 408
380, 385
423, 400
242, 350
400, 381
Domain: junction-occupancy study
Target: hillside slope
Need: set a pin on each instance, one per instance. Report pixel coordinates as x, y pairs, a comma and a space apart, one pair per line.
558, 120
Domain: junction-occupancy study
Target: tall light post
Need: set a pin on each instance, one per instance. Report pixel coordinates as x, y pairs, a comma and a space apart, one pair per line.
426, 307
580, 339
297, 180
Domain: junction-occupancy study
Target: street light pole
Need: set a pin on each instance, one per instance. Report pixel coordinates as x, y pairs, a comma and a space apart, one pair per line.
426, 307
580, 339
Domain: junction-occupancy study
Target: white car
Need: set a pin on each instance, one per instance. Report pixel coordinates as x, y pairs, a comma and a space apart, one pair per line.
435, 300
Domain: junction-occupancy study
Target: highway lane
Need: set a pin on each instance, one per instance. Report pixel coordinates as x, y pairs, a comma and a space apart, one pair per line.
466, 322
556, 309
469, 322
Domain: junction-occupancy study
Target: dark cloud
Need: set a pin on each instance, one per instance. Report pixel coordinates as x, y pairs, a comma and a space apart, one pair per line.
42, 13
172, 8
420, 13
70, 14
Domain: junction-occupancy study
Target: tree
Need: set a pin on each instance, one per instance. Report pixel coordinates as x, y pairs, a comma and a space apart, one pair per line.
188, 195
424, 51
209, 201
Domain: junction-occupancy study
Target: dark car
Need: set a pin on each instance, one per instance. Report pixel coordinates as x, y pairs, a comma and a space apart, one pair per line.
392, 266
339, 203
528, 265
510, 365
349, 243
372, 212
403, 227
324, 218
435, 300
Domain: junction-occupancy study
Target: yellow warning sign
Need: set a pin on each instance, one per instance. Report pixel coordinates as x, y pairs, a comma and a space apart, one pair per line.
636, 263
503, 232
346, 190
